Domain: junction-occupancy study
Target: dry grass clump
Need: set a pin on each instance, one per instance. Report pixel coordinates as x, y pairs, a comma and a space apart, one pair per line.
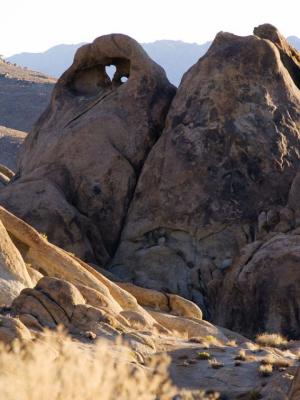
196, 395
265, 370
231, 343
254, 347
241, 355
203, 355
272, 340
277, 363
56, 368
212, 340
215, 364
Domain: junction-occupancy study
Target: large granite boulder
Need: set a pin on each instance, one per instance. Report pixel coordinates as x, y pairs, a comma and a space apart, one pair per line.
14, 276
261, 292
229, 151
79, 167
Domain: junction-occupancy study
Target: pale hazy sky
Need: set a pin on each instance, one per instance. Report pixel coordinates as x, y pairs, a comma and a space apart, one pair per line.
36, 25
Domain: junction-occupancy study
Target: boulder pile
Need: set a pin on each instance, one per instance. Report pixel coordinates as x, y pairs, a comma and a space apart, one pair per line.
194, 193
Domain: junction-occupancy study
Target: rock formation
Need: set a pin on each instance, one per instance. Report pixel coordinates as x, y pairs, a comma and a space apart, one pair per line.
81, 163
229, 151
191, 195
13, 273
72, 295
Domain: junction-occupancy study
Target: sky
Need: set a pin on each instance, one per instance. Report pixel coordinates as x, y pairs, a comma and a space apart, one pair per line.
36, 25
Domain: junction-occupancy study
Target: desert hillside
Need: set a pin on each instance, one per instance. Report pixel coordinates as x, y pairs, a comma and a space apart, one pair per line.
150, 235
24, 94
10, 143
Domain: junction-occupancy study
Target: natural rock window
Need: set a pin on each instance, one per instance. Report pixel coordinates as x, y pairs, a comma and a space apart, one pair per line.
107, 74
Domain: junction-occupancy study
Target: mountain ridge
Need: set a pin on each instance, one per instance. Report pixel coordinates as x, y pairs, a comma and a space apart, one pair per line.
175, 56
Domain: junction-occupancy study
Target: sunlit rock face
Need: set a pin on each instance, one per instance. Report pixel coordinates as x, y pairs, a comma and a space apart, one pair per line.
79, 167
229, 151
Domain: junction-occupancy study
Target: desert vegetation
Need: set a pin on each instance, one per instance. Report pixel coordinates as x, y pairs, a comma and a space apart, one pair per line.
53, 367
272, 340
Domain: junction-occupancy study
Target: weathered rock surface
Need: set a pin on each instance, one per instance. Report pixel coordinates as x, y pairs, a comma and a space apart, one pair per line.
229, 151
13, 273
196, 211
58, 301
12, 329
80, 165
262, 294
89, 306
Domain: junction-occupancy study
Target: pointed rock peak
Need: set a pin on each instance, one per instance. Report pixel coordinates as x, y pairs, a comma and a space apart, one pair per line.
290, 57
269, 32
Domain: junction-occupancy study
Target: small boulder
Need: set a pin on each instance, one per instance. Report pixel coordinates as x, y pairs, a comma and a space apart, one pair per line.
12, 329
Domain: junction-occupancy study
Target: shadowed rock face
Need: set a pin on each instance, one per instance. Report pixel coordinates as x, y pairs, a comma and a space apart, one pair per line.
79, 167
261, 292
229, 150
183, 204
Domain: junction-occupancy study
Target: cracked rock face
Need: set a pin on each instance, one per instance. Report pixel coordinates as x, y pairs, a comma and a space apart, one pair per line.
14, 276
261, 292
229, 150
79, 166
170, 203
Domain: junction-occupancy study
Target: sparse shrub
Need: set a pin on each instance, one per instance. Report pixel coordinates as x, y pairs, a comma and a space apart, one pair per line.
212, 340
265, 370
44, 236
231, 343
272, 340
203, 355
56, 368
254, 347
269, 359
241, 355
277, 363
215, 364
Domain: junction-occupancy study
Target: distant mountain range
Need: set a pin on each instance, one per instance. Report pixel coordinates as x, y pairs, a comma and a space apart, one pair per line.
294, 41
176, 57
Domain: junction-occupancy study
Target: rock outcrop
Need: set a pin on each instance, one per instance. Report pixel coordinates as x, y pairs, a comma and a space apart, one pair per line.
228, 153
79, 167
194, 195
261, 291
12, 329
72, 295
13, 273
